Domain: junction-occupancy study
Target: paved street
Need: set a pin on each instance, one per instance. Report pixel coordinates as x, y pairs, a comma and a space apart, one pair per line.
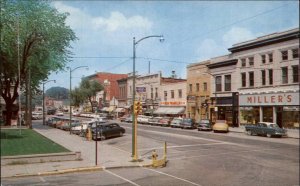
195, 158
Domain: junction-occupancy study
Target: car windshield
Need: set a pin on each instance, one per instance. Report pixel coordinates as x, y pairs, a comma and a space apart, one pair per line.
204, 121
273, 126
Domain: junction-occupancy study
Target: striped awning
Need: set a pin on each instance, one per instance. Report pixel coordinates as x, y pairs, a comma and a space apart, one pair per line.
170, 110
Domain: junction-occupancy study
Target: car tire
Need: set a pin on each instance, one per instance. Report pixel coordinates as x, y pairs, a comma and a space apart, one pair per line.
249, 132
269, 135
121, 134
103, 137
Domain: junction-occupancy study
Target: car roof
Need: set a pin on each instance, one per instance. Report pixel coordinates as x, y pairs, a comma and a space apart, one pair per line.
268, 123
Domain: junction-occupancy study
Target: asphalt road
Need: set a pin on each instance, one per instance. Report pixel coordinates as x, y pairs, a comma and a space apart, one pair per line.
195, 158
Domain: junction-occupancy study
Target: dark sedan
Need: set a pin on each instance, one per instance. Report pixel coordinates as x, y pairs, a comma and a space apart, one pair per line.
187, 123
107, 130
204, 124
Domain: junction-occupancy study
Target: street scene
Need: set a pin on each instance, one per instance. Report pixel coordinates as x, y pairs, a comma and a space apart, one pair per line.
149, 93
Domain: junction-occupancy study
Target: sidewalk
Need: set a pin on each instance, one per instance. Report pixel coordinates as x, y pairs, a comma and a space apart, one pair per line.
291, 133
108, 156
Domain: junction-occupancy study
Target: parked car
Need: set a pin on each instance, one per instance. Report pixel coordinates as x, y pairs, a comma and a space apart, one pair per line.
59, 113
204, 124
129, 119
176, 122
154, 120
220, 126
142, 119
165, 121
107, 130
51, 111
188, 123
265, 129
123, 118
74, 123
37, 115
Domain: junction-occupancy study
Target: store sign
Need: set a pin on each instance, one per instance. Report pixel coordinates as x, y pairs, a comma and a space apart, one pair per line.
269, 99
173, 103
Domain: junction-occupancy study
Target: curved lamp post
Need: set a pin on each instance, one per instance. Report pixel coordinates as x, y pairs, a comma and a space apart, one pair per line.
134, 130
70, 95
44, 99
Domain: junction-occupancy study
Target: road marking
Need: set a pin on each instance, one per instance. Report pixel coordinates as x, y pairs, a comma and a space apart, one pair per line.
121, 177
172, 176
42, 179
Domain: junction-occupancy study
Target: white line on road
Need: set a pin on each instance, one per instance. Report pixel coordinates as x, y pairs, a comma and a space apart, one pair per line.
121, 177
172, 176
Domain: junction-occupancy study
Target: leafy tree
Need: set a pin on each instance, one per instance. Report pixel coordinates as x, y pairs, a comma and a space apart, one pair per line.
57, 93
35, 35
86, 91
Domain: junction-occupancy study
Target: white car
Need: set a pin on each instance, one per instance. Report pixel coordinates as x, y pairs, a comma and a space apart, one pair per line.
59, 113
176, 122
143, 119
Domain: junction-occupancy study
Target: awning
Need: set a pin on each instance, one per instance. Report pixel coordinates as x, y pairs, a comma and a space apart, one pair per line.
120, 110
110, 108
170, 110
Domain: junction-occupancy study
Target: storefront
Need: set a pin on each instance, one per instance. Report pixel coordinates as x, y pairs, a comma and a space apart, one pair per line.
280, 107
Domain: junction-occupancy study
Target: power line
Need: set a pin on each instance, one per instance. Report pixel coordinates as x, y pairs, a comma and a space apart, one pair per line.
117, 65
99, 57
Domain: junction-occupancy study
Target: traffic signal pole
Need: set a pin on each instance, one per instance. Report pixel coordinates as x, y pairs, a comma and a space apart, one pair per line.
137, 109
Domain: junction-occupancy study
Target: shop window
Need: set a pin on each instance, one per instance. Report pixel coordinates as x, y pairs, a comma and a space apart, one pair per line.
270, 58
243, 62
270, 76
295, 74
218, 83
251, 61
179, 93
267, 114
172, 94
263, 59
284, 55
249, 115
284, 72
243, 75
197, 87
295, 53
263, 77
290, 117
228, 83
251, 79
205, 86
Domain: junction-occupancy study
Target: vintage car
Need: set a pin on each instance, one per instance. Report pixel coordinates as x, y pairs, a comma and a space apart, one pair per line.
176, 122
220, 126
187, 123
204, 124
265, 129
142, 119
154, 120
107, 130
165, 121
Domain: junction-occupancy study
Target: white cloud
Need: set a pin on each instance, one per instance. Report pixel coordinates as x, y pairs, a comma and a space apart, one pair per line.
209, 48
236, 35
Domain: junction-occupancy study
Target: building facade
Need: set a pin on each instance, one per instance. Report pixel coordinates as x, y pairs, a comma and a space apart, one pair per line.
198, 91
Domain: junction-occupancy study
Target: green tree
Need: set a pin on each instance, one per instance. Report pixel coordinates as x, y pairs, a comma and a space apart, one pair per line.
33, 36
86, 91
57, 93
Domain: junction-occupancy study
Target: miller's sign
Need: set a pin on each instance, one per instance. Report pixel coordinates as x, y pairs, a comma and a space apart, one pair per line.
291, 98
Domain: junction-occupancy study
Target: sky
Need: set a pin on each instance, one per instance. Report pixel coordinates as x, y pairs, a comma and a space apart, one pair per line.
193, 31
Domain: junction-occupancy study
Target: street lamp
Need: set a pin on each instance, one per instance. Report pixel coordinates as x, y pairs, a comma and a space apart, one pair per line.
44, 99
70, 95
134, 129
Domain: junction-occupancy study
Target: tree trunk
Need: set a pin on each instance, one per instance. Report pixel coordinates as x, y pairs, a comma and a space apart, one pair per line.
9, 112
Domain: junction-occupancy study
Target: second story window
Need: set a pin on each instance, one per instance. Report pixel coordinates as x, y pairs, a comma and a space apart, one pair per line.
263, 77
197, 87
191, 87
205, 86
251, 61
263, 59
251, 79
284, 72
179, 93
270, 76
270, 58
172, 94
151, 93
295, 74
284, 55
295, 53
243, 62
243, 75
218, 83
165, 95
228, 83
156, 93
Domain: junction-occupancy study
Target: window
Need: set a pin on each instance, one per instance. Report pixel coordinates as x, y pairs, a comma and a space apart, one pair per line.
197, 87
179, 93
228, 83
270, 58
243, 79
165, 95
263, 77
219, 83
295, 53
191, 87
284, 72
172, 93
263, 59
243, 62
251, 79
130, 89
251, 61
156, 93
205, 86
270, 76
284, 55
295, 74
151, 93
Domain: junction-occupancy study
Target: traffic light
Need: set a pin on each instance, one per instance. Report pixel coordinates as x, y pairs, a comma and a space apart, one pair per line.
137, 107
